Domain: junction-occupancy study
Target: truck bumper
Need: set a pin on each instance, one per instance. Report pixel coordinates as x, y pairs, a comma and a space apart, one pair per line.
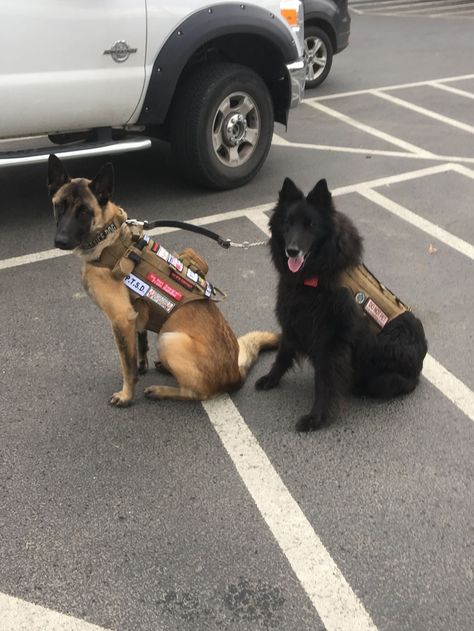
297, 73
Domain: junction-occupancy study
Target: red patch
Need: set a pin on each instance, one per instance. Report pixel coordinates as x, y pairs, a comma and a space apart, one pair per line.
181, 281
159, 282
312, 282
155, 247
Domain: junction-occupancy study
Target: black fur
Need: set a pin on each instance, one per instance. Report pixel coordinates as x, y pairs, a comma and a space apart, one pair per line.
323, 323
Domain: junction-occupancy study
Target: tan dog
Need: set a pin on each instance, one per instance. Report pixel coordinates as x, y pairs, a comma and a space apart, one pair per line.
195, 344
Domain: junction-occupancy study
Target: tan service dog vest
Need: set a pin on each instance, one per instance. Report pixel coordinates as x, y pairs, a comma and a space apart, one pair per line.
152, 274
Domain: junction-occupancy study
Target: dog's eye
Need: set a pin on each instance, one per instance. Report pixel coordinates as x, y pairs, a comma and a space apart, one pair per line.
83, 212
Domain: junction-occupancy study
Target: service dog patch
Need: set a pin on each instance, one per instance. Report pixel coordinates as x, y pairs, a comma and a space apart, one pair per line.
376, 313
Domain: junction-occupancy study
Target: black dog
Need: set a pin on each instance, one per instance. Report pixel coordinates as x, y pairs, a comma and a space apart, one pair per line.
311, 245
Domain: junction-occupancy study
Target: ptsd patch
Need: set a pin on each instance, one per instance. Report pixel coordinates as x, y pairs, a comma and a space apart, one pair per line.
136, 284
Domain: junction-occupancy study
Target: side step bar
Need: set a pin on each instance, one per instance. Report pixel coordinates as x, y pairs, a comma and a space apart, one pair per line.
36, 156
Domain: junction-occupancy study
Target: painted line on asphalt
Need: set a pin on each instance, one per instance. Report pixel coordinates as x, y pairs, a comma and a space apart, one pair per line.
281, 142
44, 255
398, 86
452, 387
447, 120
449, 88
369, 130
435, 231
337, 605
20, 615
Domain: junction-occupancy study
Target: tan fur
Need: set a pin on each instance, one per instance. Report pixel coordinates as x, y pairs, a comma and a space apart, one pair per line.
196, 344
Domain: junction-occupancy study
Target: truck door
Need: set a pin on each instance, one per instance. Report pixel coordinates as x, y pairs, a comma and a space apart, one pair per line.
70, 65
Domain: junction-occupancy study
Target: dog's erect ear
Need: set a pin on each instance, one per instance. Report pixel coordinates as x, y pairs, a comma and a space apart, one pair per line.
57, 175
103, 184
320, 195
289, 191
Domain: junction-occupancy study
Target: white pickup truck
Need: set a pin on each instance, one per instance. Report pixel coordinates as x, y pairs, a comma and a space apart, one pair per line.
85, 77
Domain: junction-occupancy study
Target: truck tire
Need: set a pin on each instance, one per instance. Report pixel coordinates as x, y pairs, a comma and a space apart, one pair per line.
318, 54
221, 125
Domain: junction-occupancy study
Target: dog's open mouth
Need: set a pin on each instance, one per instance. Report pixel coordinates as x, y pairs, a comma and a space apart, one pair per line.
295, 263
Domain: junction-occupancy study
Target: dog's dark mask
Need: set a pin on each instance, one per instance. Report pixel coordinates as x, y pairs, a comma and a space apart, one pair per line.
301, 224
78, 203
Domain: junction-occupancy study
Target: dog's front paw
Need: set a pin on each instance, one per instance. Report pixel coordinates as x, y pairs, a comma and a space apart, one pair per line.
120, 400
267, 382
309, 422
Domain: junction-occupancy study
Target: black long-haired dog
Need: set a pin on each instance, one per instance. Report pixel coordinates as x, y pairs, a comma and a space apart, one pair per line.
312, 245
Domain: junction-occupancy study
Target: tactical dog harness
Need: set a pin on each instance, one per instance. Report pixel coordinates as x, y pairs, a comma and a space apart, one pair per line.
152, 274
377, 303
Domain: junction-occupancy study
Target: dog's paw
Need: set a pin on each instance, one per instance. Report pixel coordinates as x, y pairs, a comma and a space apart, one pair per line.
308, 423
267, 382
142, 366
153, 392
119, 400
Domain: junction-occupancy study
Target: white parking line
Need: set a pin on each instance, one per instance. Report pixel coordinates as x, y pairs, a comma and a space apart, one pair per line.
331, 595
399, 86
449, 88
463, 247
424, 111
281, 142
369, 130
20, 615
454, 389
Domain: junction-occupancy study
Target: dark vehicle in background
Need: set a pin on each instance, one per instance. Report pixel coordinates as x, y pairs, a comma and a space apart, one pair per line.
327, 26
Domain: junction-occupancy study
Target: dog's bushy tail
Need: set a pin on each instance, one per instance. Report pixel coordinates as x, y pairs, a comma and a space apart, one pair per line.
250, 346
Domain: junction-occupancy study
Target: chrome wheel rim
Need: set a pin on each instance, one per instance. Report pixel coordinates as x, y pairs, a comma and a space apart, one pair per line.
316, 56
236, 129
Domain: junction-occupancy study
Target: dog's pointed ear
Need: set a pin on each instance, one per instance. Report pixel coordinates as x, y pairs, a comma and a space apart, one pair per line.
289, 191
57, 175
320, 195
103, 184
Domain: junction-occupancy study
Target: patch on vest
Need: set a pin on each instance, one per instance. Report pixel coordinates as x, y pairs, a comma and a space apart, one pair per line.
376, 313
136, 284
161, 284
182, 281
161, 300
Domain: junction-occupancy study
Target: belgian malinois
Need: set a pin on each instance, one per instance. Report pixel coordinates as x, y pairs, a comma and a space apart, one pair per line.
195, 344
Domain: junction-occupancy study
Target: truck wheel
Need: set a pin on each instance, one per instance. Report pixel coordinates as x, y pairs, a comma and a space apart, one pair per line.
318, 55
221, 125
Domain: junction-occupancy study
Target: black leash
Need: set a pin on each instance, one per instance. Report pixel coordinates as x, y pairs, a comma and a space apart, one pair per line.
165, 223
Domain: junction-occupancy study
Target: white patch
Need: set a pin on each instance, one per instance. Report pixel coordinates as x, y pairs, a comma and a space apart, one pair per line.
163, 254
192, 275
136, 284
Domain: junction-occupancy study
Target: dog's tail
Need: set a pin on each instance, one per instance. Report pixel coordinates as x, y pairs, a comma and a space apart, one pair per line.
250, 346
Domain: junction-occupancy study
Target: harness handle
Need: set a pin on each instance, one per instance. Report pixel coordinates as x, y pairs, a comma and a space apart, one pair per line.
165, 223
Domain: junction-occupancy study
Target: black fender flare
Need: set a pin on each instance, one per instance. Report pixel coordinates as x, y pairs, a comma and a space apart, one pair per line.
201, 27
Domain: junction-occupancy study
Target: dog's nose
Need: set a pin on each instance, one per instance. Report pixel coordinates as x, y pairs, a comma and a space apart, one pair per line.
63, 243
292, 252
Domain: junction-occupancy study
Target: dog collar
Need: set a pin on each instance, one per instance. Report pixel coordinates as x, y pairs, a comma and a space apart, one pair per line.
102, 235
312, 282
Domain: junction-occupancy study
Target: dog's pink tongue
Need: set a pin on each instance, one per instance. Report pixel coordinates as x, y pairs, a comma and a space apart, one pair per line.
295, 263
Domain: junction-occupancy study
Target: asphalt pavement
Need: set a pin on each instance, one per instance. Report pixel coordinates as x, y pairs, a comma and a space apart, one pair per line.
188, 517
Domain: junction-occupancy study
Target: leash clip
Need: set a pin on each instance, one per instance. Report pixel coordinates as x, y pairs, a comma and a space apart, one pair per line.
135, 222
224, 243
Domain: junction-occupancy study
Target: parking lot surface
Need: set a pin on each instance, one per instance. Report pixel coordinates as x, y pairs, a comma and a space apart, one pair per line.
188, 516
